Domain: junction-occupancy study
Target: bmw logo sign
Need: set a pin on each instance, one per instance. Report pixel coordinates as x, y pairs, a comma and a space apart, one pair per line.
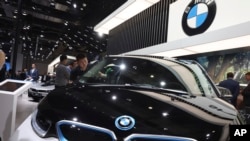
198, 16
125, 122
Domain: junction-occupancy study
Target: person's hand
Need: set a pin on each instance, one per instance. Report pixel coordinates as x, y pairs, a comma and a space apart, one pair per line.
102, 74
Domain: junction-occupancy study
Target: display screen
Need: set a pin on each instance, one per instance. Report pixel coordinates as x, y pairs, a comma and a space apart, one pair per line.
10, 86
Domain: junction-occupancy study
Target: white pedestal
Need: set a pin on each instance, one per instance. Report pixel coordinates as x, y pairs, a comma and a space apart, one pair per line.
9, 91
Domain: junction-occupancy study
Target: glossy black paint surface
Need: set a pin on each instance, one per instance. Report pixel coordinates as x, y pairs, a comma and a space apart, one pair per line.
98, 106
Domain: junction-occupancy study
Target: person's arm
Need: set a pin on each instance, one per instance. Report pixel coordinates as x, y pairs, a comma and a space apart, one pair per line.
73, 75
66, 73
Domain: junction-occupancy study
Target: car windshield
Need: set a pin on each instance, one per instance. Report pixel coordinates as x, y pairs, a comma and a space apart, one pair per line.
151, 72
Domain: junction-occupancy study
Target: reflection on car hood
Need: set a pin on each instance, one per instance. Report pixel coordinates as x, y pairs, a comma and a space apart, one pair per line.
153, 112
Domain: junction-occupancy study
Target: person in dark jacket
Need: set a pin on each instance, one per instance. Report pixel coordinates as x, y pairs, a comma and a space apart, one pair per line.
33, 73
246, 91
232, 85
23, 74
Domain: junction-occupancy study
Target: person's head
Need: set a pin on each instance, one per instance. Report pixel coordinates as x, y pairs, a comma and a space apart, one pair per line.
247, 75
63, 59
82, 61
230, 75
33, 66
73, 64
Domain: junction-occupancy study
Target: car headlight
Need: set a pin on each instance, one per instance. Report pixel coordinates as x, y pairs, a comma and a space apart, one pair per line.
39, 124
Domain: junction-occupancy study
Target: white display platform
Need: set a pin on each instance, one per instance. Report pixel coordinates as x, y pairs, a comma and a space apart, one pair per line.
10, 89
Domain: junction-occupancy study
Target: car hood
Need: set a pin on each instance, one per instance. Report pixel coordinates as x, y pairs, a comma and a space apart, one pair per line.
151, 112
41, 86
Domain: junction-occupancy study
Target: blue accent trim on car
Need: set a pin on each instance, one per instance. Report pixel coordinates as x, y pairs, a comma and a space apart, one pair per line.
82, 125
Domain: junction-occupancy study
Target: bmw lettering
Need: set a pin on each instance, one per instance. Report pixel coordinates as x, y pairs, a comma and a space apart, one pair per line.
198, 16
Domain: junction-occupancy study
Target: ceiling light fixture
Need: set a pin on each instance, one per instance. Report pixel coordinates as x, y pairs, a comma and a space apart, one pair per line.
123, 13
100, 34
75, 5
69, 2
24, 13
66, 23
52, 4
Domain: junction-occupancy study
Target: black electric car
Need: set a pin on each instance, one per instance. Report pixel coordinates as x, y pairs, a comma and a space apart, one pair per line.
137, 98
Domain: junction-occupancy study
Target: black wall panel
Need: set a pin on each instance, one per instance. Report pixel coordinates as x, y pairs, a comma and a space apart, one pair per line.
145, 29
